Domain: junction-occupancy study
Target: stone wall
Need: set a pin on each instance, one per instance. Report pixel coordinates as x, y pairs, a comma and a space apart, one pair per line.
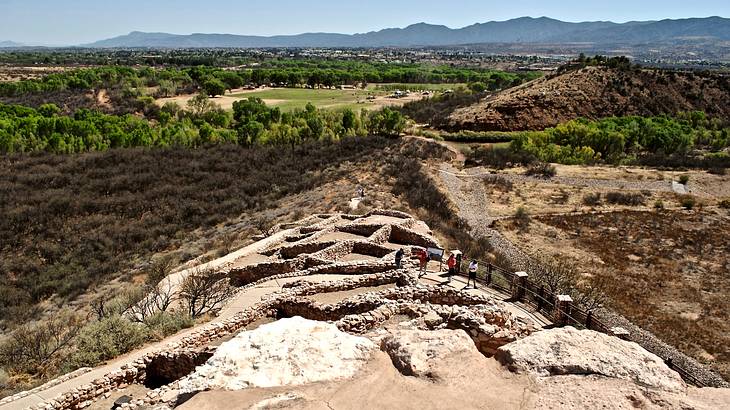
400, 234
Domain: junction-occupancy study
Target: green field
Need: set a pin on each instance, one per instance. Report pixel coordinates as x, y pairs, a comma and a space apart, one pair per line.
289, 99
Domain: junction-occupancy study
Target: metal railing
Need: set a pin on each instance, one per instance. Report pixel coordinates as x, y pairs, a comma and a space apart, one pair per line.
544, 301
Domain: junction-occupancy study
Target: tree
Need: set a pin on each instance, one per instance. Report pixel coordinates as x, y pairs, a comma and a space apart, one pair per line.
204, 291
348, 119
200, 104
477, 87
214, 87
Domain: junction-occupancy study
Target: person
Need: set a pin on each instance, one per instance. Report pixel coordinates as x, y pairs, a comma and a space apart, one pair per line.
399, 258
423, 258
451, 263
473, 267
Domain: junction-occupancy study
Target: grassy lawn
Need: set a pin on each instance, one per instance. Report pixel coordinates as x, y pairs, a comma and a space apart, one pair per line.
289, 99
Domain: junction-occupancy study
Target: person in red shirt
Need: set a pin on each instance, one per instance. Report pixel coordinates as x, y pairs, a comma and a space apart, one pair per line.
451, 263
423, 258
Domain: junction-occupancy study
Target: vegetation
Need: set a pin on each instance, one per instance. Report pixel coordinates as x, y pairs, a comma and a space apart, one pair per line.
614, 139
24, 129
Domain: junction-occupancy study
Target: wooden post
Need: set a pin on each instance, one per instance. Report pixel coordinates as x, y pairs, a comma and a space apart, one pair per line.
488, 279
518, 290
589, 320
563, 307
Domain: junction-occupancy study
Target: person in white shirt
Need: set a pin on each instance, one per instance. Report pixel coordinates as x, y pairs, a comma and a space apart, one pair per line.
473, 267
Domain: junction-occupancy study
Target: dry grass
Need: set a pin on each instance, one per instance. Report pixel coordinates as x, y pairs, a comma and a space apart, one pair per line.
666, 271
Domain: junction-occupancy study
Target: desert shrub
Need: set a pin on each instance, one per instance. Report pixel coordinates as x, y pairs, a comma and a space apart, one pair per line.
621, 198
592, 199
541, 169
659, 205
106, 339
683, 179
37, 349
688, 202
725, 203
522, 218
717, 171
499, 182
163, 324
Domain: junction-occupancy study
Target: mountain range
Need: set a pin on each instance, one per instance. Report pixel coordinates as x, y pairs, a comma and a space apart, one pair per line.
520, 30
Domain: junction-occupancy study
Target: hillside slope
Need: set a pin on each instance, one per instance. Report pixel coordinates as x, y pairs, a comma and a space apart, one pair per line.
595, 92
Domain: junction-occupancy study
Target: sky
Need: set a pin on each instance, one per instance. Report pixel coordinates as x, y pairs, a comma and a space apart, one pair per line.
73, 22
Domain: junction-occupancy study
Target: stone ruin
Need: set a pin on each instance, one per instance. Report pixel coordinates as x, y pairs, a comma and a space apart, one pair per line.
362, 247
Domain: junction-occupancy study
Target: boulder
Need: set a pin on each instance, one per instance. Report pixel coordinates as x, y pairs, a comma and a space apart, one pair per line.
566, 351
420, 353
287, 352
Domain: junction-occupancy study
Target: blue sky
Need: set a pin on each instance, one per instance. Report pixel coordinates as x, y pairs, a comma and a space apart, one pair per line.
78, 21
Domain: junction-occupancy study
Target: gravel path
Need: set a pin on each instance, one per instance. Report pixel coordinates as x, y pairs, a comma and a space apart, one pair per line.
469, 195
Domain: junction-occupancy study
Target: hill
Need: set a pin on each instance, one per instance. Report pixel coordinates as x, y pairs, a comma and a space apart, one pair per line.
10, 44
520, 30
595, 92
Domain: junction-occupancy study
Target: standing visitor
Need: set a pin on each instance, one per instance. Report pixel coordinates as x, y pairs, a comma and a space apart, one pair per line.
473, 267
398, 258
451, 263
423, 259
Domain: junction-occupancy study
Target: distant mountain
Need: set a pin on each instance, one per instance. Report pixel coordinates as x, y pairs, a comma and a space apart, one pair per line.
520, 30
10, 44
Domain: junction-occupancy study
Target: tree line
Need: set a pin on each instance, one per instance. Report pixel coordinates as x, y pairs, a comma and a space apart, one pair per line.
252, 122
286, 73
622, 139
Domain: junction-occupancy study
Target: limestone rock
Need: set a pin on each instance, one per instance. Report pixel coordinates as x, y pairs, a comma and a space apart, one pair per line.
585, 352
419, 352
290, 351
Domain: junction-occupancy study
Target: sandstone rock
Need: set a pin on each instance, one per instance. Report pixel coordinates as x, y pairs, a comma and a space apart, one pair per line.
290, 351
585, 352
419, 352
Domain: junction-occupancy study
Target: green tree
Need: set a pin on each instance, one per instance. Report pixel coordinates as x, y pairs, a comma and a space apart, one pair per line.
214, 87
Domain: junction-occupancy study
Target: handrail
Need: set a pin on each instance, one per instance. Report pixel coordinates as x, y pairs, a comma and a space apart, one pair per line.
542, 299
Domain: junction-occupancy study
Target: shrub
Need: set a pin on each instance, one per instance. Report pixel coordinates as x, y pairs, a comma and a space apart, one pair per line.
106, 339
725, 204
498, 181
522, 218
659, 205
592, 199
541, 169
683, 179
717, 171
620, 198
688, 202
163, 324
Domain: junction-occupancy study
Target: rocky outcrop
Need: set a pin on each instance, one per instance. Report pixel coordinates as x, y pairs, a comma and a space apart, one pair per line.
567, 351
421, 353
288, 352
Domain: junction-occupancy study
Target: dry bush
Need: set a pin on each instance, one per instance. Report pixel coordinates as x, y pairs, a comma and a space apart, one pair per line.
499, 182
158, 299
592, 199
621, 198
204, 291
541, 169
38, 349
265, 225
522, 218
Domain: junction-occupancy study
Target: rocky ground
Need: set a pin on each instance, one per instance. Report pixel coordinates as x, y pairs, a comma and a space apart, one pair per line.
441, 369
